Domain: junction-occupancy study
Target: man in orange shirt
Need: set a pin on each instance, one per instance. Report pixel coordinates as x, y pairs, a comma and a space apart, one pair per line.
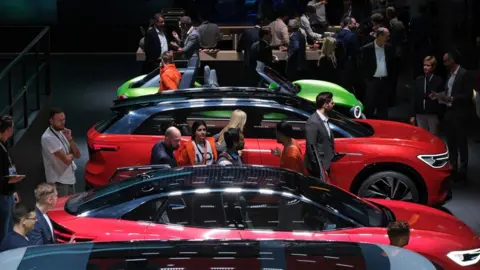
291, 157
170, 77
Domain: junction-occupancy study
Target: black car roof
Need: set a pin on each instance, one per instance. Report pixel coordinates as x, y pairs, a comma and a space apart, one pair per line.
212, 254
210, 92
194, 177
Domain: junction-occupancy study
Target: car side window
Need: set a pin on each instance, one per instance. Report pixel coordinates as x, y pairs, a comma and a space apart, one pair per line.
279, 213
196, 210
266, 124
215, 119
156, 125
145, 212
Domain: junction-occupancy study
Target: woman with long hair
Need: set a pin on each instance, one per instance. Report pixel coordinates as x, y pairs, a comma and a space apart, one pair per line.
200, 150
328, 61
238, 119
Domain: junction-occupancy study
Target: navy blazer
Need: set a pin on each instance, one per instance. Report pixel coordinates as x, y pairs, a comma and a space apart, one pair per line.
13, 240
41, 233
297, 52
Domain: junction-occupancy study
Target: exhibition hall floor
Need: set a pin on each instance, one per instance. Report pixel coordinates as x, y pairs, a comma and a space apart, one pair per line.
85, 86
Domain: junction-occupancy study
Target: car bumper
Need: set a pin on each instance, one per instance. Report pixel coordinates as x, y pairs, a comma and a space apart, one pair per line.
439, 188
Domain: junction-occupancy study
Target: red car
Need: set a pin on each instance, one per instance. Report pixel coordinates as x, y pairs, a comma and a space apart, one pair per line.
379, 159
254, 203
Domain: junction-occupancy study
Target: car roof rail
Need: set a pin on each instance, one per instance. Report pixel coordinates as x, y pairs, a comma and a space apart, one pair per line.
149, 100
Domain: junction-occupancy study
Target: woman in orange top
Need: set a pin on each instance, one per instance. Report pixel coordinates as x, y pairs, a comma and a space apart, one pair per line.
291, 157
200, 150
170, 77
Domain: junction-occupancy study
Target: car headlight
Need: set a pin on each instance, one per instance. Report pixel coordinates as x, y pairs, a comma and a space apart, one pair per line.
356, 112
435, 161
465, 257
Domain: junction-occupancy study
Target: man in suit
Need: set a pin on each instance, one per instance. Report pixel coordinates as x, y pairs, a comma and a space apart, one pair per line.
457, 97
261, 51
297, 52
190, 45
347, 63
24, 219
46, 196
244, 45
156, 43
319, 136
378, 66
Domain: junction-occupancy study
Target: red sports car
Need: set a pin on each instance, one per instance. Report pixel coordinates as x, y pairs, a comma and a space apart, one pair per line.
254, 203
379, 159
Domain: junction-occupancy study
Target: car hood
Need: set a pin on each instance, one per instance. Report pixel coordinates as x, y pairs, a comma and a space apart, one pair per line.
429, 219
309, 89
401, 133
125, 89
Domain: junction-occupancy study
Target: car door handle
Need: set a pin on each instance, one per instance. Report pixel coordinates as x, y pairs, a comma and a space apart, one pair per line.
338, 156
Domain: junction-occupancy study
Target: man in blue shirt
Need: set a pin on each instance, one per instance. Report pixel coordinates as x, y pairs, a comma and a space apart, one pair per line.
24, 218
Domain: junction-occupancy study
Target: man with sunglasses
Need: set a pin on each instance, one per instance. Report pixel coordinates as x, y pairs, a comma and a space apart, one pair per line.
8, 177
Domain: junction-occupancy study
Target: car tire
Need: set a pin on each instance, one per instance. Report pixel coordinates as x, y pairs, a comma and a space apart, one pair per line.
390, 185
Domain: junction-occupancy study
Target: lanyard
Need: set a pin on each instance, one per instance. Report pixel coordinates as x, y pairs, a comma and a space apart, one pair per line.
425, 89
425, 85
67, 151
8, 155
204, 153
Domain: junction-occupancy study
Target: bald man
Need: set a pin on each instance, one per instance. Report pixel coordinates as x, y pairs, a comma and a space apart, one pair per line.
162, 151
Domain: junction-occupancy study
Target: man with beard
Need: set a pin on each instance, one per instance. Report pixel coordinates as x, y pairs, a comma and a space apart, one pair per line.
59, 149
190, 44
235, 142
155, 43
319, 136
162, 151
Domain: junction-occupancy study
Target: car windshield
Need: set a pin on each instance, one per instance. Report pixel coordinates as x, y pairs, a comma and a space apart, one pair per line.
272, 76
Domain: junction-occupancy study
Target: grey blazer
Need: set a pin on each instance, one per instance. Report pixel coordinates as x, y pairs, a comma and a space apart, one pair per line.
317, 135
191, 44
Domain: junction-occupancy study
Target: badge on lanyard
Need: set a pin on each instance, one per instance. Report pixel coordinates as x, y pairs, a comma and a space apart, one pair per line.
12, 170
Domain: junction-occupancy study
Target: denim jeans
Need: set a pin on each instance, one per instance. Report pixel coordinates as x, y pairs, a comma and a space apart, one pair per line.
6, 221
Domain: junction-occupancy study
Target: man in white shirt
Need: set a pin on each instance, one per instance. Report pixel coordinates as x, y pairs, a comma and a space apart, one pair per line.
59, 150
378, 66
46, 197
320, 18
305, 24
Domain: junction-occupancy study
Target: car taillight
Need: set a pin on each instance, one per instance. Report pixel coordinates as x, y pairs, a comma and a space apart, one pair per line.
122, 97
96, 147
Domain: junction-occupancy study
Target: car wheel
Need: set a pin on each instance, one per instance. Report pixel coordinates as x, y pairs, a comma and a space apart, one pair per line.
389, 185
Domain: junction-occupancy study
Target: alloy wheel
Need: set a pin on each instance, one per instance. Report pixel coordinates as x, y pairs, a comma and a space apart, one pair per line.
389, 188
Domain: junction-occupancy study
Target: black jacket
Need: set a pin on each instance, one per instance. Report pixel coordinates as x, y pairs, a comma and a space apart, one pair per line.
161, 154
153, 50
5, 187
261, 51
245, 43
369, 60
419, 95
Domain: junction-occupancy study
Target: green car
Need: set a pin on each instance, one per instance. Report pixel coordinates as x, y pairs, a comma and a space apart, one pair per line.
149, 84
345, 102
